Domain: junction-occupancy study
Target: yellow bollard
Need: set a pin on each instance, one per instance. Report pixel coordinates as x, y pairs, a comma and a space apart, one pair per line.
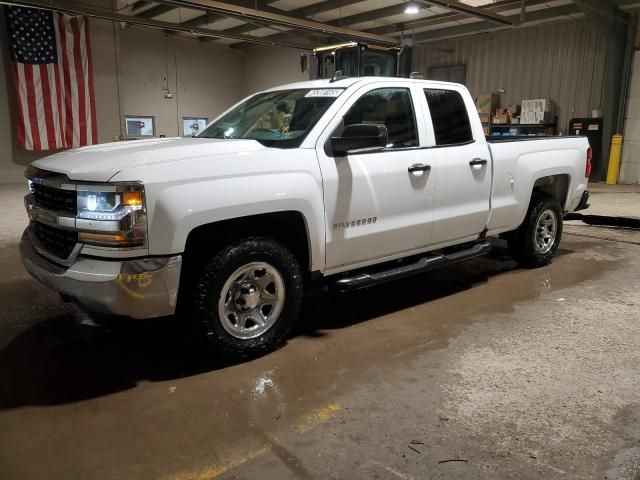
614, 159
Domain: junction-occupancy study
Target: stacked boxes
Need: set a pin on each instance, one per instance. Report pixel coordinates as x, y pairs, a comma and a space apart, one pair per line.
485, 119
486, 103
537, 111
514, 110
502, 116
514, 113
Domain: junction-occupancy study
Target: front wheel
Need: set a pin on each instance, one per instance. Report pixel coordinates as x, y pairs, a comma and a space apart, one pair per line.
536, 241
248, 296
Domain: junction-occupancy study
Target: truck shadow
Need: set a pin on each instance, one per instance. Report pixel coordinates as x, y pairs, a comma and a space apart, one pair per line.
59, 360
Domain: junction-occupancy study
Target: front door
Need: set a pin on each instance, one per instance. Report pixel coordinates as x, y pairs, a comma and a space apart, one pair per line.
376, 204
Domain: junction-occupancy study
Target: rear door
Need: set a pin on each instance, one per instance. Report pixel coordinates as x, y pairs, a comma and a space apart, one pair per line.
461, 168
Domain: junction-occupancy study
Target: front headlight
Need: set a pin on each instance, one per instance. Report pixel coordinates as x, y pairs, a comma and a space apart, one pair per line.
108, 205
111, 215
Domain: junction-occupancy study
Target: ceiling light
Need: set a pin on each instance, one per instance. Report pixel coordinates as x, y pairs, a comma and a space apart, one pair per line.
412, 9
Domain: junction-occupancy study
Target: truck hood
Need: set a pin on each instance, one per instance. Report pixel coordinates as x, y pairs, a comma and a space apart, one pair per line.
99, 163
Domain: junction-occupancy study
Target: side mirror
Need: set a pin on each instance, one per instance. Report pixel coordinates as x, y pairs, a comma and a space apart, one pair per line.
360, 138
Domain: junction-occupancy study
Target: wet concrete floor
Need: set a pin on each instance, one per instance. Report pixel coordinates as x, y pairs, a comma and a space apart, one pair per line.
483, 370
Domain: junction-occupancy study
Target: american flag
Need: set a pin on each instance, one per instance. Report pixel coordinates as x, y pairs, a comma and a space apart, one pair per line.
53, 75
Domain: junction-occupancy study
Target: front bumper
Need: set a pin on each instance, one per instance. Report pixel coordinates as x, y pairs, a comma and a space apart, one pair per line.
141, 288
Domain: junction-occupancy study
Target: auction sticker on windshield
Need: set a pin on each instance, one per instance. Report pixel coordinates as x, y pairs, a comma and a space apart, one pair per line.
325, 92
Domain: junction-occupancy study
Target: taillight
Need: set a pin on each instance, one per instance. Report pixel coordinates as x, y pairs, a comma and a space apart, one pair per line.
587, 172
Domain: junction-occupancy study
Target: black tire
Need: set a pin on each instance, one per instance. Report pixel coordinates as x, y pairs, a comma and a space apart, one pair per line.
208, 286
522, 242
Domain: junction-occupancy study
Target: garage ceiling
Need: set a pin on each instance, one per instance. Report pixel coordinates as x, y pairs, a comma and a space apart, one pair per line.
311, 23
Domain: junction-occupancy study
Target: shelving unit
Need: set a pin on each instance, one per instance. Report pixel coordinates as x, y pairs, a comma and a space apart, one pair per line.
528, 129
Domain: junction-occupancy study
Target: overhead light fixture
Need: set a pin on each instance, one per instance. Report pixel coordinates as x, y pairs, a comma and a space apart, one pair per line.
412, 9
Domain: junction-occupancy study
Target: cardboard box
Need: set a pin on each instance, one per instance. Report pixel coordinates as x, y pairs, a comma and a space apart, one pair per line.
514, 110
485, 117
487, 102
501, 117
515, 120
486, 130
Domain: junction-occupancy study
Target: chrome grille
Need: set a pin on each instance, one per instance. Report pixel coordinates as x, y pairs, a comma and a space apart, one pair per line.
54, 198
56, 241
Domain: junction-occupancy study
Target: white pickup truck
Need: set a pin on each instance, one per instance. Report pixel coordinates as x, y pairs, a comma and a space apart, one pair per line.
351, 182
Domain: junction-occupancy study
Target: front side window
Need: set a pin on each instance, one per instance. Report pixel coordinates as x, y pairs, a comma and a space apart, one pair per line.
276, 119
391, 107
449, 116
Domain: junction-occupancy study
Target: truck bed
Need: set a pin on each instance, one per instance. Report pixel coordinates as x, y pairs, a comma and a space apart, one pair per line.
519, 161
522, 138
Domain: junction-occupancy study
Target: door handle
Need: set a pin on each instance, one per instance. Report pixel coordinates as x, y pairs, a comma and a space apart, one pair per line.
419, 167
478, 161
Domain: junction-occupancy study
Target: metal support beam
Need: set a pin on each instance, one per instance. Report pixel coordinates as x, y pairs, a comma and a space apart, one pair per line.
376, 14
380, 13
203, 20
303, 12
469, 10
155, 11
432, 21
139, 5
264, 5
357, 18
613, 24
606, 17
249, 14
72, 8
479, 27
320, 7
209, 17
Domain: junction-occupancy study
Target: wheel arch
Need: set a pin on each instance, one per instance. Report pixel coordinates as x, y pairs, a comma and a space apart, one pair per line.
555, 186
288, 227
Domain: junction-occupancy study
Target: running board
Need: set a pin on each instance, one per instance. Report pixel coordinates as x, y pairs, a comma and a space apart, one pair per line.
424, 264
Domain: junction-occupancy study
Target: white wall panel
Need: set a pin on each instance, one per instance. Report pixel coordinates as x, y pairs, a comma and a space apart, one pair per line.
563, 61
630, 166
266, 67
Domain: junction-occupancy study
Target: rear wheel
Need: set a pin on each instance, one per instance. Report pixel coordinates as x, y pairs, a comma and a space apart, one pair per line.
536, 241
248, 296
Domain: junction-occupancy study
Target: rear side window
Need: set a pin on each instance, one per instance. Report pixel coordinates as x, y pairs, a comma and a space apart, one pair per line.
391, 107
449, 116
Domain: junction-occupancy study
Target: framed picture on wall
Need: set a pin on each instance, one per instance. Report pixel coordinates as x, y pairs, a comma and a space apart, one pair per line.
139, 126
191, 126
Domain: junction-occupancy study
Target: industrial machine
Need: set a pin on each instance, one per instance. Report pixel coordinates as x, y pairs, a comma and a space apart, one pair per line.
355, 59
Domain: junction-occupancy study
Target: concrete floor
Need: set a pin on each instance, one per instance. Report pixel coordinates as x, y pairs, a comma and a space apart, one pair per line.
483, 370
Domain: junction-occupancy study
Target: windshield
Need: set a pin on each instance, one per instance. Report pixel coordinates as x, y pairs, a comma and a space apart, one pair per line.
276, 119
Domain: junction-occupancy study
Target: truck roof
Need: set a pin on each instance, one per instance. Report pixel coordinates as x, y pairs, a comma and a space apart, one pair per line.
348, 81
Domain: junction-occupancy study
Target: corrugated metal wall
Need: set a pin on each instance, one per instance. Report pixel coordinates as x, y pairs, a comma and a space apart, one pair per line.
563, 61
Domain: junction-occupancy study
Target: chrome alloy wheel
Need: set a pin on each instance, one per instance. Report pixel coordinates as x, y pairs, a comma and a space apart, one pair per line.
546, 231
251, 300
